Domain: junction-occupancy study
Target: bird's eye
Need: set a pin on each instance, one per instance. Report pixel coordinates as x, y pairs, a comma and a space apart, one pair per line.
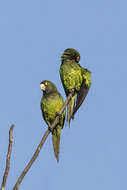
46, 83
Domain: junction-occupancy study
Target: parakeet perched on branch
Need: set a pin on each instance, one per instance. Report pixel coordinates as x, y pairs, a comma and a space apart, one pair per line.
73, 76
51, 103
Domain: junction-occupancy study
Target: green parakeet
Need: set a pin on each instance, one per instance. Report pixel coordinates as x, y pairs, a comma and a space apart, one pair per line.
73, 76
51, 103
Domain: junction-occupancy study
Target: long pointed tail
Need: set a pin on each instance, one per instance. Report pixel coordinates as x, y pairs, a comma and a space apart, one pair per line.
56, 142
70, 108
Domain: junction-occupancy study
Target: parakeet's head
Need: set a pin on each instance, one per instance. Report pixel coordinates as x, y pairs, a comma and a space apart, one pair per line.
70, 54
48, 87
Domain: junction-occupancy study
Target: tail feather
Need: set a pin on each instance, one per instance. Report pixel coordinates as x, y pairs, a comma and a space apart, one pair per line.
70, 108
56, 142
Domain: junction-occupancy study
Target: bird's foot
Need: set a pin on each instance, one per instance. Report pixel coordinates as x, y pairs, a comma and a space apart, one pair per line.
58, 115
72, 90
50, 129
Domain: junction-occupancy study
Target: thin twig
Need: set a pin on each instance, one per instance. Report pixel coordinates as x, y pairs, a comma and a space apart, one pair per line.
8, 158
41, 143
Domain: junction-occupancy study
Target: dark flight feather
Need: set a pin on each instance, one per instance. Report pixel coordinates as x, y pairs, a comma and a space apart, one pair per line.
80, 97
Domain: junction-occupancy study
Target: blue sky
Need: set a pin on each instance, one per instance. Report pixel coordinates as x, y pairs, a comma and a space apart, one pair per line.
33, 35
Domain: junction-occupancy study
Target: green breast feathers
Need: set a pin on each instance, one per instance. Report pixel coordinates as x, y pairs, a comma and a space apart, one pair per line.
51, 103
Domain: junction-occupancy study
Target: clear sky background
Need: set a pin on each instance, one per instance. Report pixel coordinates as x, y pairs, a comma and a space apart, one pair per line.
33, 35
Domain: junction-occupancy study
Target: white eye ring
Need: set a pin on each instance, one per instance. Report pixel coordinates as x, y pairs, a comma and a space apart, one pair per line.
42, 87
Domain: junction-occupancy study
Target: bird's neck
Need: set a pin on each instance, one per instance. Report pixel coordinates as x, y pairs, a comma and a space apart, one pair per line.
47, 94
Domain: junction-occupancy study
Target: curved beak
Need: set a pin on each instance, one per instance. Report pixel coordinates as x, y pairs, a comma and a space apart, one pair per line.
42, 87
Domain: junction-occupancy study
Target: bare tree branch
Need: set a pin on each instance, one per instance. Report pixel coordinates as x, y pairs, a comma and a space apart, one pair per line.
41, 143
8, 158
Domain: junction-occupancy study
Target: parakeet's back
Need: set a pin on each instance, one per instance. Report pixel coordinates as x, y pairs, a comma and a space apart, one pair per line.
71, 75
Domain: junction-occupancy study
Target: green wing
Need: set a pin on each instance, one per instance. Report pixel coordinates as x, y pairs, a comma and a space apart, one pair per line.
71, 76
86, 83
